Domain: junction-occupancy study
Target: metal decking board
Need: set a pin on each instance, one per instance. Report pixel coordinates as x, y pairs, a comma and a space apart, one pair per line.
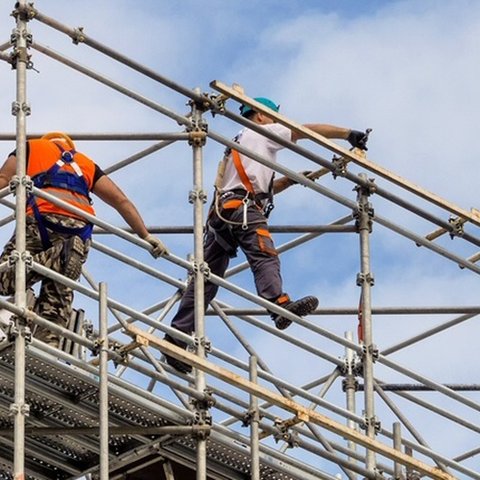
61, 395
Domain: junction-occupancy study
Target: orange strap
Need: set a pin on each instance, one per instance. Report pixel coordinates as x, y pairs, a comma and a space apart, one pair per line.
241, 172
235, 203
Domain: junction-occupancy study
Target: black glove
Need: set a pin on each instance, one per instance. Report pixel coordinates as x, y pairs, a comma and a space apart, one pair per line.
358, 139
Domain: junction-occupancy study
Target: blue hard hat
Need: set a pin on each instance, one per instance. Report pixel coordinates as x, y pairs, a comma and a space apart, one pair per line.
244, 109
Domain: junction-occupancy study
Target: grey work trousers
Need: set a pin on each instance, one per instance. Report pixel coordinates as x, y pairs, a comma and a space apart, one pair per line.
220, 244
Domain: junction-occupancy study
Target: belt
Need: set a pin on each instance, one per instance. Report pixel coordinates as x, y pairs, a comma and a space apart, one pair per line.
257, 198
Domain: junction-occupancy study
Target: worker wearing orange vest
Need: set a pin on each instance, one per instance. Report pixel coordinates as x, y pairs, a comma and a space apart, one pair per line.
56, 237
239, 219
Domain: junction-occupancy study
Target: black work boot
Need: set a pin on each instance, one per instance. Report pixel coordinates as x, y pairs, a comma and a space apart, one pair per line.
178, 365
301, 307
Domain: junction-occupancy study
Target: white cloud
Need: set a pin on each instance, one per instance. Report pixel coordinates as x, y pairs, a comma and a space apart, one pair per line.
407, 69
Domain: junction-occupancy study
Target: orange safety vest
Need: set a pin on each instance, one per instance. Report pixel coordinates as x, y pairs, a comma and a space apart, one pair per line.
43, 154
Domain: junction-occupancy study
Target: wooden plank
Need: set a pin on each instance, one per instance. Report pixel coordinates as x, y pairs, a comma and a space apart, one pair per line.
305, 414
237, 94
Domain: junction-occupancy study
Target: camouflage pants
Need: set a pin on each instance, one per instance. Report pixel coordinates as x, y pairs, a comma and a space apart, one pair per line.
66, 256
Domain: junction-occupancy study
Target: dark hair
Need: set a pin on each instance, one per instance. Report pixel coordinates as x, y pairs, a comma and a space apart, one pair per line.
249, 114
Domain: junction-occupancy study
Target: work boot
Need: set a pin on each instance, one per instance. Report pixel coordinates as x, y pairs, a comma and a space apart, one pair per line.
301, 307
178, 365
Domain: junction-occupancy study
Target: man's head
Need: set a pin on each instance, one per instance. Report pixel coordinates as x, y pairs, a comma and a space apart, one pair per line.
249, 112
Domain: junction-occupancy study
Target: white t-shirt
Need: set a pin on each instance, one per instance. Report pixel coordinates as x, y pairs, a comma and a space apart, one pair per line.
259, 175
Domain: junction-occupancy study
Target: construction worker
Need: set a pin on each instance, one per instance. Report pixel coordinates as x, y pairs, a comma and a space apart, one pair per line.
238, 218
55, 237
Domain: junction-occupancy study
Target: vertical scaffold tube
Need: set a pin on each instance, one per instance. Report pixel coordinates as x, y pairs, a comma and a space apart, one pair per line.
350, 387
254, 425
364, 215
397, 444
20, 109
103, 370
198, 198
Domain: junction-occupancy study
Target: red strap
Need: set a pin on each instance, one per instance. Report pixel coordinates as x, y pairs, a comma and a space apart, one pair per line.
241, 172
360, 319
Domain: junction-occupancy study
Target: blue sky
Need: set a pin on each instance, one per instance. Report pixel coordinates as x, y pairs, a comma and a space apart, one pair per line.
407, 69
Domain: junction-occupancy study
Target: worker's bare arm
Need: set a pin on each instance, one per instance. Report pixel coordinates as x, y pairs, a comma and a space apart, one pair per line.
110, 193
7, 171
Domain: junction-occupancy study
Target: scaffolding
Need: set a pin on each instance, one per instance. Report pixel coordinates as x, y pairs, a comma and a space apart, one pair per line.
121, 412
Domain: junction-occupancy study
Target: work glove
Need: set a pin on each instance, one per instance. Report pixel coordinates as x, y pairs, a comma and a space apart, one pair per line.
358, 139
158, 247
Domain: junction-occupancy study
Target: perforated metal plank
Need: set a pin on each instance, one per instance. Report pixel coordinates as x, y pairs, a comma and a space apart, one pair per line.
63, 395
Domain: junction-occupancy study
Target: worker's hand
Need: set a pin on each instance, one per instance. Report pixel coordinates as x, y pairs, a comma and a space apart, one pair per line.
158, 247
358, 139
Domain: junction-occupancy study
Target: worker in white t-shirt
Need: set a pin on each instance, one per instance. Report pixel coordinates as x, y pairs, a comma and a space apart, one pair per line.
238, 218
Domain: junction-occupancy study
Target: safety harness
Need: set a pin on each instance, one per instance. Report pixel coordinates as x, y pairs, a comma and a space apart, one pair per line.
248, 194
66, 180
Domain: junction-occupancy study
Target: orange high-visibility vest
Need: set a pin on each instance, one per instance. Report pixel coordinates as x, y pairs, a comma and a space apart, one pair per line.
43, 154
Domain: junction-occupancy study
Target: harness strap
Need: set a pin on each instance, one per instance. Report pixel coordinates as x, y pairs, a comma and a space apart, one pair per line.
42, 229
83, 232
68, 181
241, 172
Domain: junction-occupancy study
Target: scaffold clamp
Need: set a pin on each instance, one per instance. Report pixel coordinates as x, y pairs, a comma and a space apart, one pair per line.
198, 136
247, 418
457, 226
27, 259
367, 278
194, 195
371, 421
13, 258
372, 350
203, 342
217, 103
78, 35
339, 166
283, 433
15, 409
27, 11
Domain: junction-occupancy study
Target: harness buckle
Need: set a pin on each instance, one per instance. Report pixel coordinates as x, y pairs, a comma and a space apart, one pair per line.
67, 156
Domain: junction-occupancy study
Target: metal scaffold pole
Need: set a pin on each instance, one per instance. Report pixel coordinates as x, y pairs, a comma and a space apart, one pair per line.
198, 199
103, 371
397, 443
350, 386
84, 423
21, 40
364, 217
254, 424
